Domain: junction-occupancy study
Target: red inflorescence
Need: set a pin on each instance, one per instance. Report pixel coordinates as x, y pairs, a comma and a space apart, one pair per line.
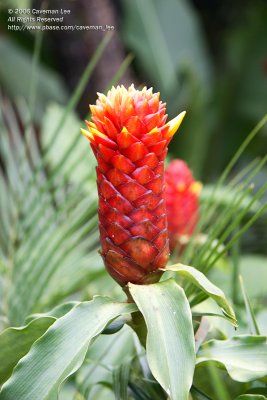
129, 137
182, 201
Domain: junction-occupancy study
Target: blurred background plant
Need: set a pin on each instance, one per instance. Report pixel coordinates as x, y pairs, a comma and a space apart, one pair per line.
208, 57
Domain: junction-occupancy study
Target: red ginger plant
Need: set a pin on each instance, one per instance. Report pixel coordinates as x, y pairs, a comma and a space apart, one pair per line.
182, 202
129, 137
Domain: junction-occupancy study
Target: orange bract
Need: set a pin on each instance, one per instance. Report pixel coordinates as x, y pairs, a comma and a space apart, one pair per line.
129, 136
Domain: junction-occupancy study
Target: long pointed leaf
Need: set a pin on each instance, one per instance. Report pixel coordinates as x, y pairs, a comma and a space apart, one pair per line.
61, 350
204, 284
251, 397
16, 342
244, 357
170, 339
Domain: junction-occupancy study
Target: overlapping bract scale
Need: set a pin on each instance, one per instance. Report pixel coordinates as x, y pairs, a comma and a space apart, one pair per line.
182, 202
129, 136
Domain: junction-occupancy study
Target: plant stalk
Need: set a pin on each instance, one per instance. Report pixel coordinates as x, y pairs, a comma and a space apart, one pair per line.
137, 321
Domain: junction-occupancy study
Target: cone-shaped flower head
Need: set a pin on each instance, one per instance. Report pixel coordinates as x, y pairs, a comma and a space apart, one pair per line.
129, 136
182, 201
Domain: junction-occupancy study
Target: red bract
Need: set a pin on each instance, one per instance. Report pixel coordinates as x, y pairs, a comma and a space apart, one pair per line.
129, 137
182, 201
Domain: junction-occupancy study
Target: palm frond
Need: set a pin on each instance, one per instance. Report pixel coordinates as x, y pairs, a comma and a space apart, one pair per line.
227, 211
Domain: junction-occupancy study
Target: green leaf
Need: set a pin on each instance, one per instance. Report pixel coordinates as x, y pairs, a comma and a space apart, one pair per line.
198, 395
245, 52
251, 397
61, 350
244, 357
16, 342
249, 263
225, 196
170, 339
152, 29
201, 281
49, 85
254, 329
121, 376
64, 140
56, 312
114, 326
104, 355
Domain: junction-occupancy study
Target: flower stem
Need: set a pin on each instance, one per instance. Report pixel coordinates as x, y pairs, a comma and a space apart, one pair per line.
137, 321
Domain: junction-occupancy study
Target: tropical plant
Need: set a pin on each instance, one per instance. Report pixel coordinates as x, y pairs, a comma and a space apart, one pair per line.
164, 342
